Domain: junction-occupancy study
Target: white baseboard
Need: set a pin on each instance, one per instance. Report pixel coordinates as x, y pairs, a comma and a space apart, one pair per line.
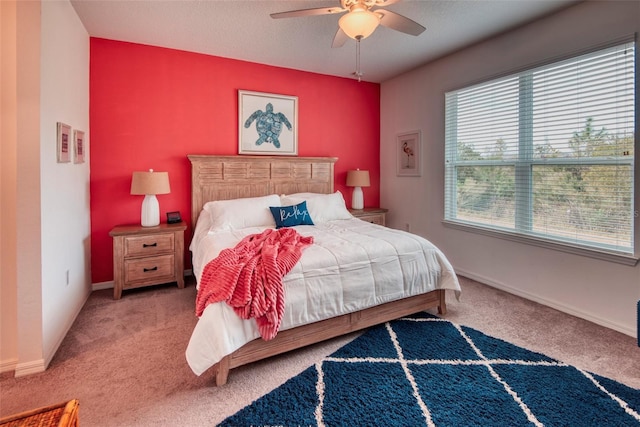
8, 365
102, 285
31, 367
574, 311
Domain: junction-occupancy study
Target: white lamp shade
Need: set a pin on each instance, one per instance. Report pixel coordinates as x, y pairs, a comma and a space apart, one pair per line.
360, 23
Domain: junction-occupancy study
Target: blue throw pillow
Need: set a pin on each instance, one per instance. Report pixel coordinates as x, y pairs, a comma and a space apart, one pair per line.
288, 216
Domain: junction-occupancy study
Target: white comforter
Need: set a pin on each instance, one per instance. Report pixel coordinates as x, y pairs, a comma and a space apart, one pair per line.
351, 265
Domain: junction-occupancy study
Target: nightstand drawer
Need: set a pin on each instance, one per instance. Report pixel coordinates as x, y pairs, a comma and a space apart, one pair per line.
151, 268
374, 219
372, 215
148, 245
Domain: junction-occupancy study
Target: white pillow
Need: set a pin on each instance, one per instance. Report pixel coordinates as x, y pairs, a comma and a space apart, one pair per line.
305, 196
242, 213
321, 207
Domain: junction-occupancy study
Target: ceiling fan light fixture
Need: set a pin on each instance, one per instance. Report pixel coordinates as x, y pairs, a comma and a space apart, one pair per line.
359, 23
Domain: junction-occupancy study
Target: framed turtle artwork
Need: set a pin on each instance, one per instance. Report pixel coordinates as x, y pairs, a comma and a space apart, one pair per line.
267, 124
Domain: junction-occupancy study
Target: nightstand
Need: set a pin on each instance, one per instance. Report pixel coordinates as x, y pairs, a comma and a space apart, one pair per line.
145, 256
373, 215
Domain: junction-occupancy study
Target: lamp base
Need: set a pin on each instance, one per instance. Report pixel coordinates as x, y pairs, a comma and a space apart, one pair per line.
150, 215
357, 199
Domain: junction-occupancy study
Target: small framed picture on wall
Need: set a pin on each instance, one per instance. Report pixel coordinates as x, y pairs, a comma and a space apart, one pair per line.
408, 158
78, 146
63, 142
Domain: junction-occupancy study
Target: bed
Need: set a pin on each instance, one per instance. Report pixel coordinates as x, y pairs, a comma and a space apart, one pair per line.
323, 299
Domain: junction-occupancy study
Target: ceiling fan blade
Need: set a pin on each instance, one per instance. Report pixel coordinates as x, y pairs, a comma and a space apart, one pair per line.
308, 12
399, 23
340, 39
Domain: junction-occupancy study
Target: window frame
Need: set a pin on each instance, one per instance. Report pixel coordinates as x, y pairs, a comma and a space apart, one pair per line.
524, 164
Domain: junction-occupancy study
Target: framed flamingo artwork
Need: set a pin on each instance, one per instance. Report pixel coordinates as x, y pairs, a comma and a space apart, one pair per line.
267, 123
408, 154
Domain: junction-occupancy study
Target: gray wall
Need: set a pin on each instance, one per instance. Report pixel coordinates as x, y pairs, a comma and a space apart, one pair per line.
601, 291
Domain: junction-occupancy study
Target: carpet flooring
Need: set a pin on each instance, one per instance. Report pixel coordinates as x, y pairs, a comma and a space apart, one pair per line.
124, 359
424, 370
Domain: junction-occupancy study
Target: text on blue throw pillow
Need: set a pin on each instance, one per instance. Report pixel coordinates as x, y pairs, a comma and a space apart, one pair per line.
289, 216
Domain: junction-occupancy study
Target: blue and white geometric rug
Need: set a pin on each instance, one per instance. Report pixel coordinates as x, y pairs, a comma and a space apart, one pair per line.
428, 371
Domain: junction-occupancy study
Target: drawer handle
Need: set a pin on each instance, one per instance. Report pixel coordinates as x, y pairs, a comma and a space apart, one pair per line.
150, 245
146, 270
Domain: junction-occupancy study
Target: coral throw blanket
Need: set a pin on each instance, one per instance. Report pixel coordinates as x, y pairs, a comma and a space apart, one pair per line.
249, 277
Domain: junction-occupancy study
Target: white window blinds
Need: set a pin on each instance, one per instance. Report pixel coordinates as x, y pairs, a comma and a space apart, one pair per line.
548, 152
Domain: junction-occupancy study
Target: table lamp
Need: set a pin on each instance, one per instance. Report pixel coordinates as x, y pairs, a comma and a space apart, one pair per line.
357, 179
149, 184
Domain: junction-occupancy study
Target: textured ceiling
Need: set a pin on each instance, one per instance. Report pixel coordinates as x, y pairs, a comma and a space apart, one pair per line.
244, 30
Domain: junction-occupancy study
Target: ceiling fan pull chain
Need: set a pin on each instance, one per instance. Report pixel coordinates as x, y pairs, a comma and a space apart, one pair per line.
358, 73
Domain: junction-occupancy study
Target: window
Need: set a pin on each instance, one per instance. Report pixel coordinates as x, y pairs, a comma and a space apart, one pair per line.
547, 153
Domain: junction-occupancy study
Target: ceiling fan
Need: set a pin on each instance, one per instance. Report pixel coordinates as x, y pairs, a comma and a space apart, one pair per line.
362, 19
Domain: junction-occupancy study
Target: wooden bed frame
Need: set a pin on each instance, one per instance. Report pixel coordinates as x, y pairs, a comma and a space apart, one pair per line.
232, 177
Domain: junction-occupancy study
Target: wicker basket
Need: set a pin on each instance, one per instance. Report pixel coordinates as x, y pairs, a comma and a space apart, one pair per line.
60, 415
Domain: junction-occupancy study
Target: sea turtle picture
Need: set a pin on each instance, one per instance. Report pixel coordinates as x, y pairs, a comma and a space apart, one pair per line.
268, 125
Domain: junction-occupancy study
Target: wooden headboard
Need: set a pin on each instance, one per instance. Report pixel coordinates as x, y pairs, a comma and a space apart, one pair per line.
234, 177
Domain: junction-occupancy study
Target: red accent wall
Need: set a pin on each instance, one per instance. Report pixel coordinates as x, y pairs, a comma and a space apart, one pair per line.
150, 107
